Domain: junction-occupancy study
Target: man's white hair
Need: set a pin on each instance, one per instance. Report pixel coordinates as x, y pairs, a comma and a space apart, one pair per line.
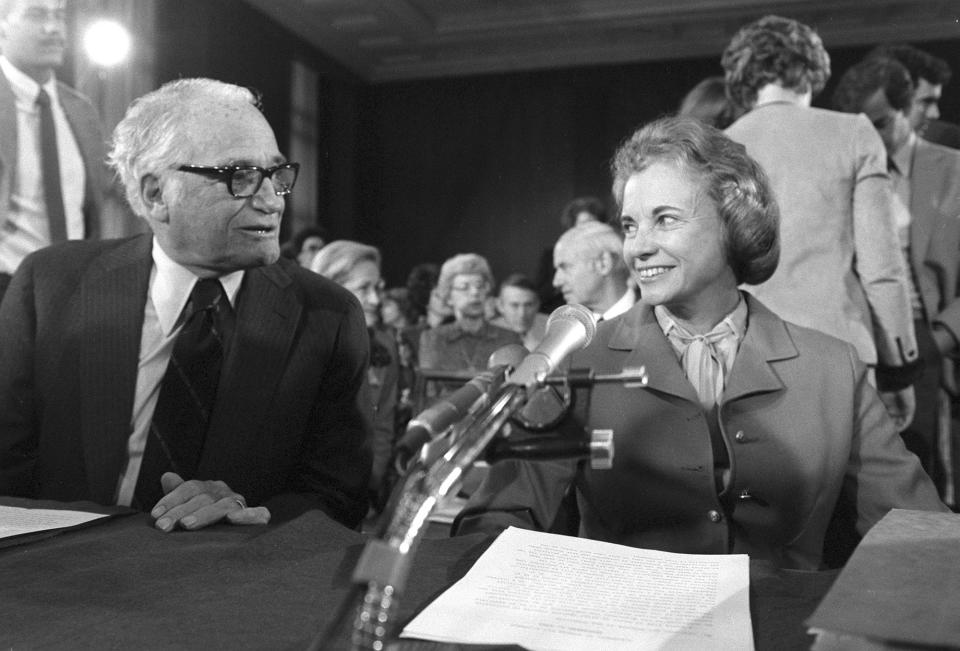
591, 239
151, 136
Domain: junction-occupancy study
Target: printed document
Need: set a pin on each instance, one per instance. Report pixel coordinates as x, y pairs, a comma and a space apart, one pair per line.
556, 593
16, 521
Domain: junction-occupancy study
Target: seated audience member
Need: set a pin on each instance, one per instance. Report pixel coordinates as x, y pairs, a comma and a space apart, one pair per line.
576, 212
256, 411
426, 308
928, 75
421, 291
305, 244
393, 308
582, 210
707, 101
590, 270
356, 267
926, 183
751, 428
519, 307
841, 270
467, 343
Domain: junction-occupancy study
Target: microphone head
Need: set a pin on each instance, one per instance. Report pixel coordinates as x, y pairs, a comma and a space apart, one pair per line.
569, 328
579, 314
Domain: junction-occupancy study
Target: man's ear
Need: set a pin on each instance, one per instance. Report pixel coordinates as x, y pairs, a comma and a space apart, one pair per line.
151, 193
603, 263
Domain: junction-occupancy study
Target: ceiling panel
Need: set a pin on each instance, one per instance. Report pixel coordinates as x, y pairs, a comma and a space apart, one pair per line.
392, 40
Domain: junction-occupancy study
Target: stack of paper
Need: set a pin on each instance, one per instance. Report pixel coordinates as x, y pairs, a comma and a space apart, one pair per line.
544, 591
19, 521
901, 586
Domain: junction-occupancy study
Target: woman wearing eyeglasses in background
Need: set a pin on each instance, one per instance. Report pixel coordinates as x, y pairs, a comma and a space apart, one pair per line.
467, 343
751, 429
356, 267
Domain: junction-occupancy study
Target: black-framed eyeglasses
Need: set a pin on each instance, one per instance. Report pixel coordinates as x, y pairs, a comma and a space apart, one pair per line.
245, 180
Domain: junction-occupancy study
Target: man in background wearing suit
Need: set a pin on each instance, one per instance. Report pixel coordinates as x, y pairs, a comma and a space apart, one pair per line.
590, 270
926, 183
929, 75
189, 372
519, 307
51, 144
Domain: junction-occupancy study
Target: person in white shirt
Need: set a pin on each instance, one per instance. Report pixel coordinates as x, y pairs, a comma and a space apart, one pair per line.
35, 212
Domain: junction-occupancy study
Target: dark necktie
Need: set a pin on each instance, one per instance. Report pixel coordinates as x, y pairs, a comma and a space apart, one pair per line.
50, 167
187, 392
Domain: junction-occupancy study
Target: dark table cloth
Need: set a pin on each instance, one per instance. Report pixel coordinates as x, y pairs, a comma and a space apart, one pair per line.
122, 584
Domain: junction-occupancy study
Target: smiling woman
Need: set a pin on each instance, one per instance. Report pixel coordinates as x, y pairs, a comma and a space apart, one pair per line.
751, 429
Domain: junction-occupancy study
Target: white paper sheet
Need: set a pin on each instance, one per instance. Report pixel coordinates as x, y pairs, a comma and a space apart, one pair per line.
16, 521
557, 593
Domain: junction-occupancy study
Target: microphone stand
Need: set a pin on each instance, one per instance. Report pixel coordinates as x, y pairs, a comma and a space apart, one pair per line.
385, 562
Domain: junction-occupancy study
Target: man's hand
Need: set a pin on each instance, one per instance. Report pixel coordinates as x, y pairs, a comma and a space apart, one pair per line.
196, 504
900, 405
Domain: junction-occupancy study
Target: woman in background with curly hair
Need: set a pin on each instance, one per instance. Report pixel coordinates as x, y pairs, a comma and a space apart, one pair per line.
356, 267
841, 269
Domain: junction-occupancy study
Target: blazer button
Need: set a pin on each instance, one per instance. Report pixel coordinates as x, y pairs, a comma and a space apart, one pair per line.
740, 437
714, 516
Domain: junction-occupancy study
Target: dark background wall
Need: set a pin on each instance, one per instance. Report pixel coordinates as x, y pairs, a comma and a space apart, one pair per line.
428, 169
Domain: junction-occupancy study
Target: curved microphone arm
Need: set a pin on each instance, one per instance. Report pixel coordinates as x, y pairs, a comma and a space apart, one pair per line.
386, 560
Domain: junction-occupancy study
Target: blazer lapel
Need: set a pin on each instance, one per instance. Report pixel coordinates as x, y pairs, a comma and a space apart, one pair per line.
112, 297
765, 341
267, 314
639, 332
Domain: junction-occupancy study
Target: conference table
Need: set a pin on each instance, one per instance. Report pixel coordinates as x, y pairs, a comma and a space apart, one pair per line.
119, 583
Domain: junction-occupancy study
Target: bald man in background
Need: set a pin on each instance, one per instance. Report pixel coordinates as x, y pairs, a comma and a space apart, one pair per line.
589, 270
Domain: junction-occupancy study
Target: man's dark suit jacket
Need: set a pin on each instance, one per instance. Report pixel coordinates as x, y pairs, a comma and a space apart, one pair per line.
286, 431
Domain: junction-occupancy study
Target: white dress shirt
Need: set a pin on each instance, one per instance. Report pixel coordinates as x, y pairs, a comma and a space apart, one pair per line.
623, 304
901, 169
167, 294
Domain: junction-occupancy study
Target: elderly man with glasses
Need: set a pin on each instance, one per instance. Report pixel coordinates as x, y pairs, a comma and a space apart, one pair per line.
190, 372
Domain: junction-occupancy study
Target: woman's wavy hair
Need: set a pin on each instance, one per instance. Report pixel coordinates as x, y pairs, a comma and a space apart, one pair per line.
338, 259
735, 183
462, 263
774, 50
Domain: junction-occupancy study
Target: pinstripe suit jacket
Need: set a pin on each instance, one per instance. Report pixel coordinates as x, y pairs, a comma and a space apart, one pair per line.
286, 430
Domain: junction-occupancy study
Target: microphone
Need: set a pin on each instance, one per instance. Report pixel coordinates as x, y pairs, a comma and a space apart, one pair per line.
435, 419
569, 328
